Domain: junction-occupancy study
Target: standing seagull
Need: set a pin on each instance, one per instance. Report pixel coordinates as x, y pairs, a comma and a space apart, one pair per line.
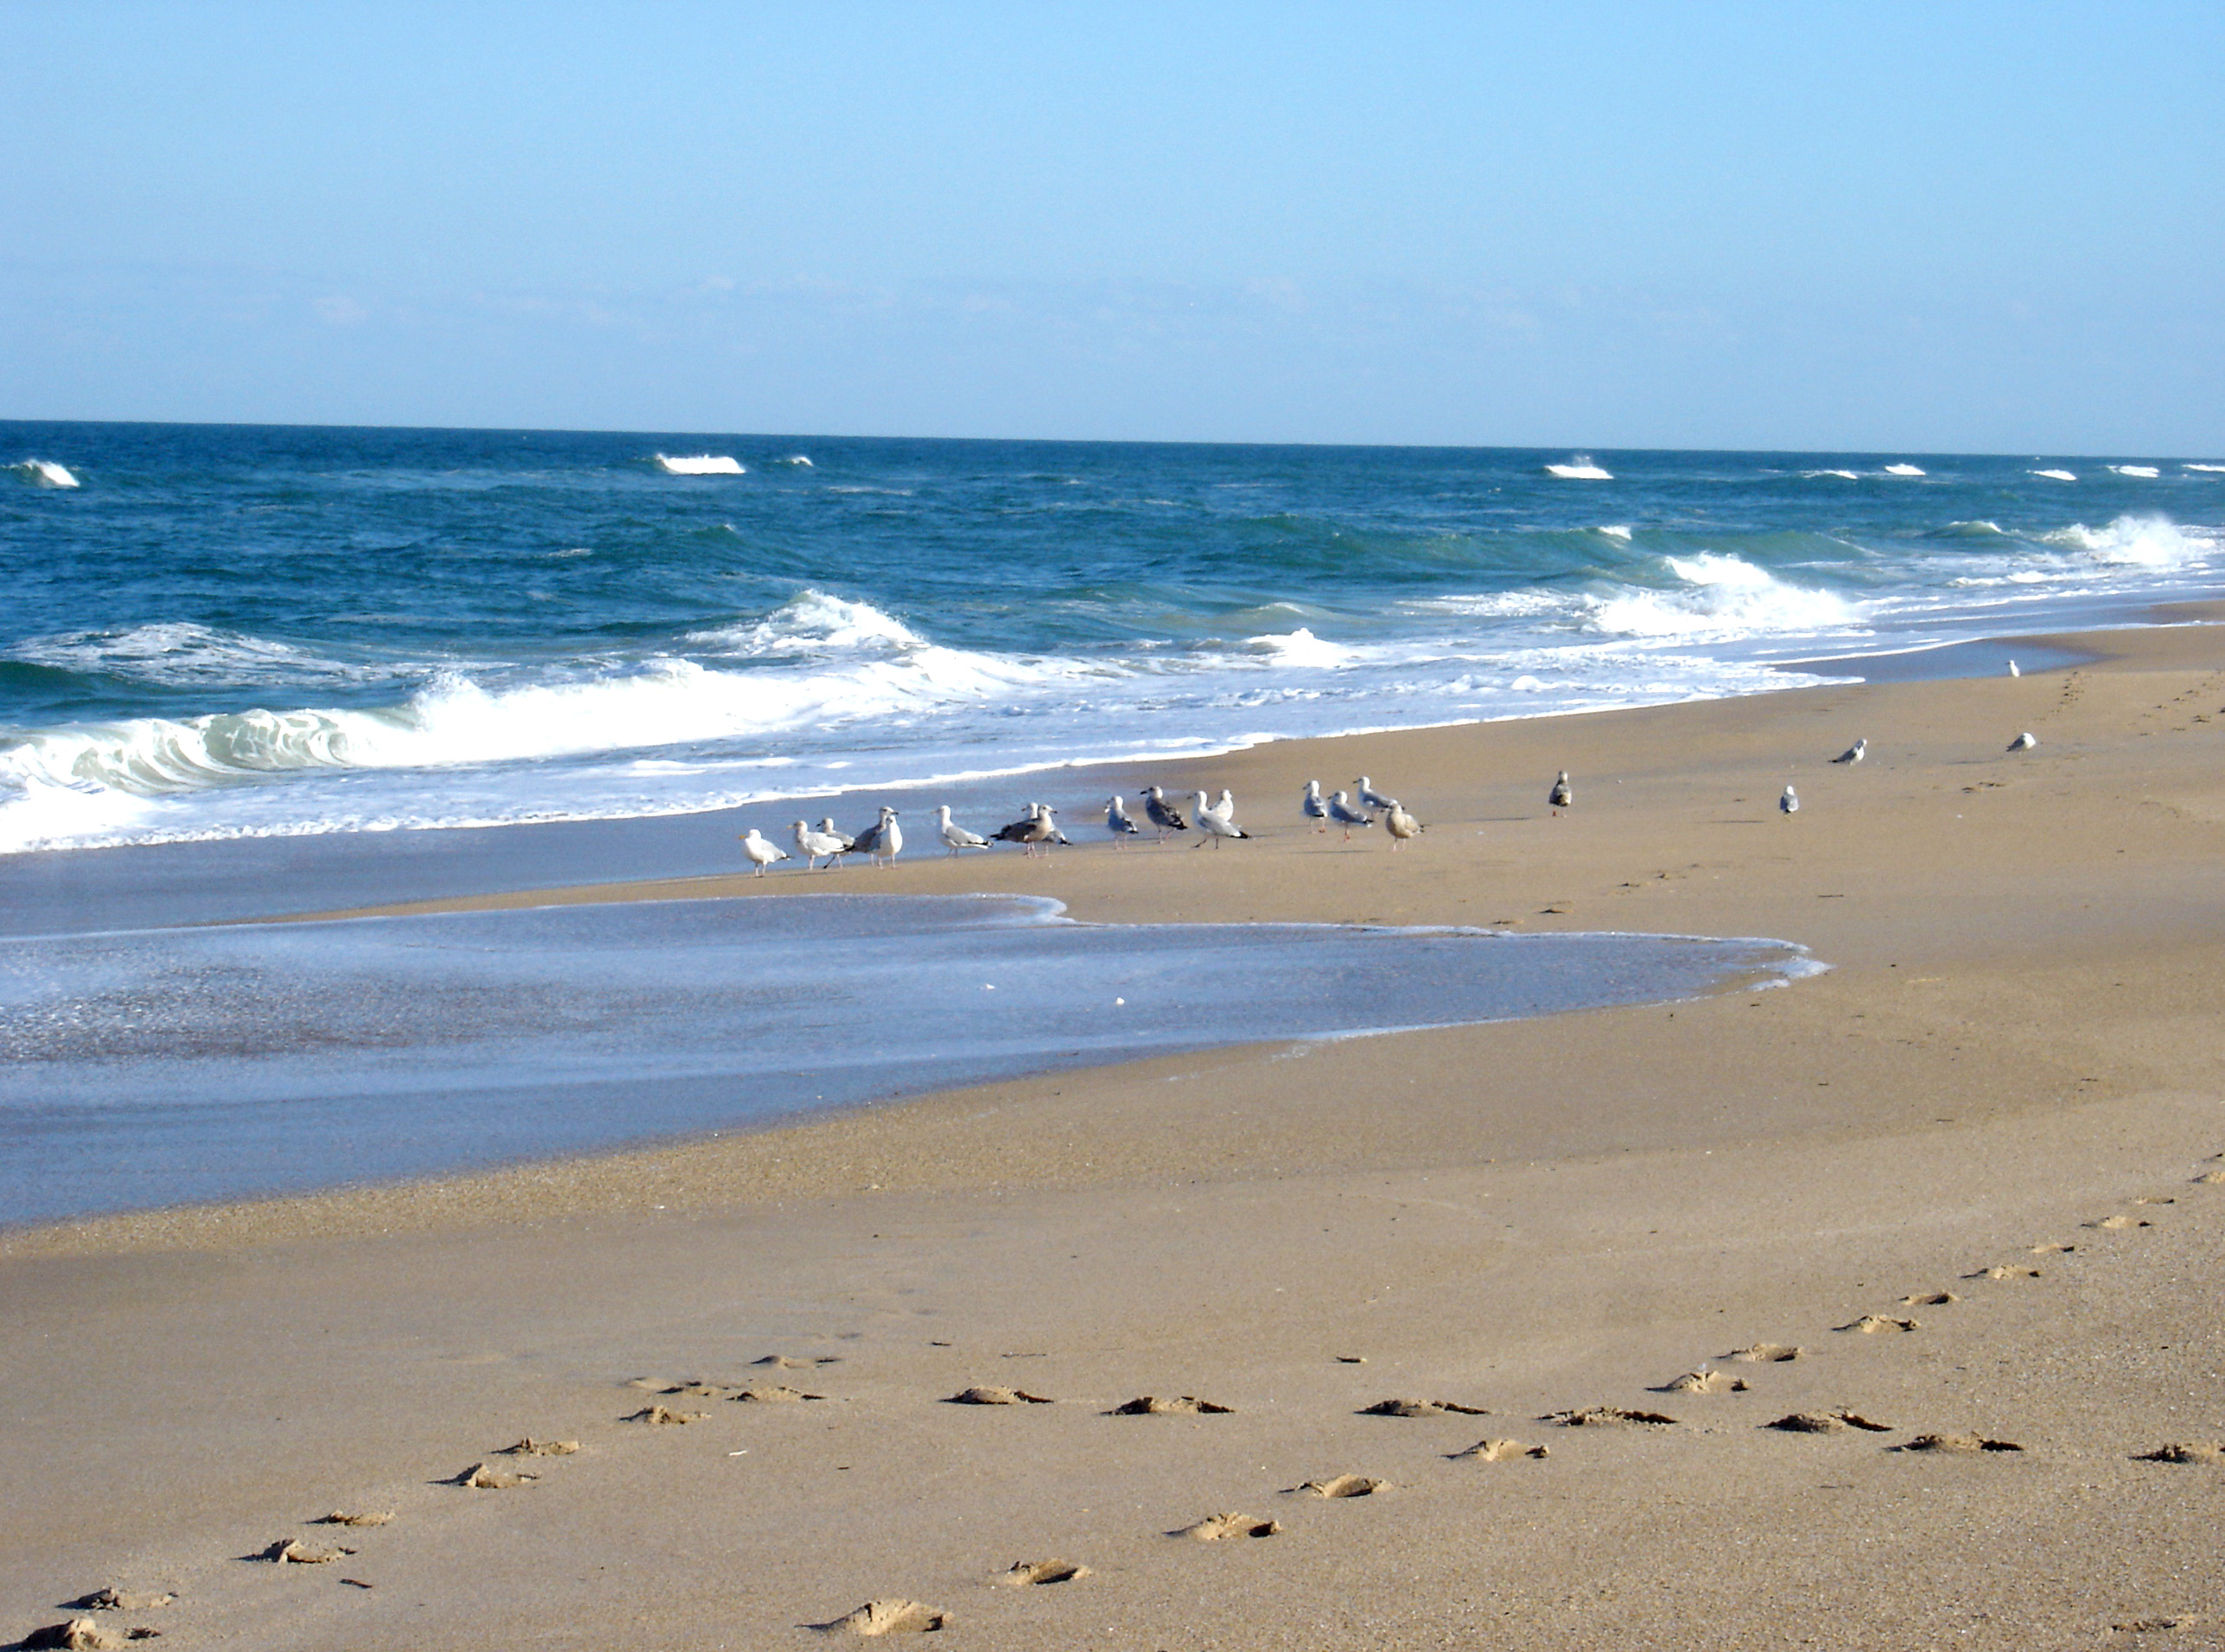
2012, 669
1853, 754
1161, 813
1369, 796
956, 837
2023, 742
1347, 817
761, 853
1563, 796
827, 829
1117, 820
883, 840
1789, 803
1401, 825
1215, 824
815, 844
1314, 808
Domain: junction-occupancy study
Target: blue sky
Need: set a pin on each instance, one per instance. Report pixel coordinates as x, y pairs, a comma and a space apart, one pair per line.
1972, 227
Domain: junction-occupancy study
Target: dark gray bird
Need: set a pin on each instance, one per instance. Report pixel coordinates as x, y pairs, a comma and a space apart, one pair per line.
1161, 813
1347, 817
882, 841
1562, 796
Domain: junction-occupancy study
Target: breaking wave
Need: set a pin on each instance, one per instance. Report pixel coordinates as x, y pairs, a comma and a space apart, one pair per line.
44, 472
1721, 595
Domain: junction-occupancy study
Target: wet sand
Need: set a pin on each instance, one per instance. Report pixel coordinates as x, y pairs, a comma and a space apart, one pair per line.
1961, 1172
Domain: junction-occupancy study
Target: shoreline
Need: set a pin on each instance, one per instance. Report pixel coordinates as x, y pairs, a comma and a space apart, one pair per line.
1987, 1121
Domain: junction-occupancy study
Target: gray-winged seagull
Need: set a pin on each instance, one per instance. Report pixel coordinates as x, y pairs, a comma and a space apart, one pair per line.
954, 836
815, 844
1347, 817
762, 853
1789, 803
1313, 807
1215, 824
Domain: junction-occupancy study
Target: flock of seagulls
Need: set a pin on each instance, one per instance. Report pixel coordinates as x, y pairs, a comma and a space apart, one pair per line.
1037, 830
1360, 809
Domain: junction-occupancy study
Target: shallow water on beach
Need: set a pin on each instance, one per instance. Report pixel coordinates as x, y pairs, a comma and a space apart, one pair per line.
165, 1066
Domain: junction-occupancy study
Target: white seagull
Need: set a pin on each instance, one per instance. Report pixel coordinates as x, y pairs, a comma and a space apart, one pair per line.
1369, 796
1401, 825
1853, 754
1117, 820
1161, 813
1563, 796
827, 828
1314, 808
1347, 817
954, 836
2023, 742
2012, 669
1215, 824
1789, 803
882, 841
762, 853
815, 844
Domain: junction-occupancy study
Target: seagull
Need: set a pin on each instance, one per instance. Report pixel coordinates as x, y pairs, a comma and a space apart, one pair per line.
1226, 806
884, 839
954, 836
2012, 669
1789, 803
1853, 754
1562, 796
1117, 820
1401, 825
760, 851
815, 844
2023, 742
1346, 817
1369, 796
1163, 814
1314, 808
827, 828
1215, 824
1033, 830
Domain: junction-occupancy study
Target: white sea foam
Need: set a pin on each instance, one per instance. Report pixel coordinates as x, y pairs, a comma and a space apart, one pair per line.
2132, 541
2146, 472
1722, 596
2056, 476
798, 459
1302, 648
813, 622
1849, 475
2213, 468
1616, 531
700, 465
44, 472
1903, 470
1579, 468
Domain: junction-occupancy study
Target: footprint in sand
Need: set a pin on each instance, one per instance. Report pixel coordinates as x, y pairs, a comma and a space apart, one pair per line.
122, 1600
1963, 1443
1422, 1408
658, 1417
789, 1362
1705, 1383
1214, 1528
343, 1517
1028, 1574
2184, 1451
1607, 1417
1767, 1354
485, 1476
1342, 1485
294, 1551
2117, 1222
1498, 1451
1880, 1325
993, 1396
2155, 1198
1929, 1299
2210, 1178
1828, 1422
2052, 1248
887, 1618
1188, 1405
2004, 1273
2159, 1625
531, 1447
773, 1394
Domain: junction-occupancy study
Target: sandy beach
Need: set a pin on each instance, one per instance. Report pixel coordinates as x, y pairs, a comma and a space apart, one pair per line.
1879, 1310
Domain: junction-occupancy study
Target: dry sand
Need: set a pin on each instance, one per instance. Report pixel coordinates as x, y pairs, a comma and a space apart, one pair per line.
1961, 1174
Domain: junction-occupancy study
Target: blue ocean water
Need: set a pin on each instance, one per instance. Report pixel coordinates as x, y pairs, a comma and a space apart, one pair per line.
155, 1067
214, 633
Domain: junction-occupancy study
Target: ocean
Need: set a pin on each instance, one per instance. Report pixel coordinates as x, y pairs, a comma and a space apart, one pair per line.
218, 632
